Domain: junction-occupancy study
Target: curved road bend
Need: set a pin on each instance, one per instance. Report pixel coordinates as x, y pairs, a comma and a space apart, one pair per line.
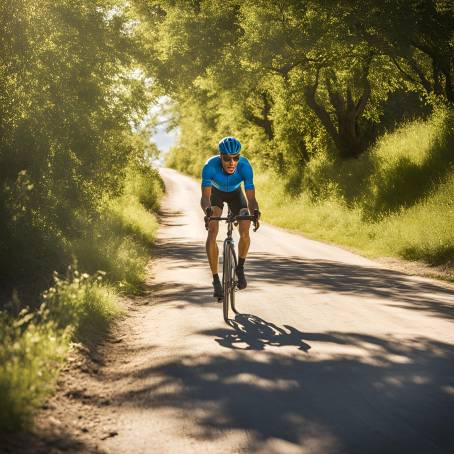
332, 353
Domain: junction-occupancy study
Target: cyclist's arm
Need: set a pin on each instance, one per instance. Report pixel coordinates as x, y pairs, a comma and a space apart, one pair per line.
249, 189
206, 194
251, 200
207, 175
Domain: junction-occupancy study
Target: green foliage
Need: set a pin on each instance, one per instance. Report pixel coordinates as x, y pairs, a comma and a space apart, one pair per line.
79, 307
410, 162
396, 173
33, 345
306, 85
75, 184
31, 353
294, 79
70, 91
424, 231
144, 184
380, 204
119, 237
82, 304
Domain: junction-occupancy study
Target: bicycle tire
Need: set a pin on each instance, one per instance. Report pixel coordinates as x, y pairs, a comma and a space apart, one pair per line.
232, 279
226, 279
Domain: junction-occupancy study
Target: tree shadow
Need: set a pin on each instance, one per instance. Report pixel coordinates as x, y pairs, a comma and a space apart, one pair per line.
169, 218
392, 287
397, 289
171, 292
377, 395
338, 392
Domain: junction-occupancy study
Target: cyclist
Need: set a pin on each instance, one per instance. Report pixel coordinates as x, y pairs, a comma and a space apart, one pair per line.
222, 176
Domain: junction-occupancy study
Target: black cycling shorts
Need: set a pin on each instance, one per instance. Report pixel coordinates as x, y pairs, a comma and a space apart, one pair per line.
236, 200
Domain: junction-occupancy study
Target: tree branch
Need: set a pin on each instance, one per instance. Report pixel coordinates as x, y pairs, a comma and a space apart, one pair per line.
309, 94
415, 67
334, 96
407, 76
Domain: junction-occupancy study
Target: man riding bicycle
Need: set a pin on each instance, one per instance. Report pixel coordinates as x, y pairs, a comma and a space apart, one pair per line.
222, 176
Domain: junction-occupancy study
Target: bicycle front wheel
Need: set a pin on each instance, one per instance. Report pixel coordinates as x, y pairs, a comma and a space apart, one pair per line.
227, 281
232, 278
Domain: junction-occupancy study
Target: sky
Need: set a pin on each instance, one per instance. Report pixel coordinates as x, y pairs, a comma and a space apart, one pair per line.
164, 140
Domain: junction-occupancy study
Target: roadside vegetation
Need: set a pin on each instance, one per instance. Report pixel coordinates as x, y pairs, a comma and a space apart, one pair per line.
77, 191
402, 204
345, 109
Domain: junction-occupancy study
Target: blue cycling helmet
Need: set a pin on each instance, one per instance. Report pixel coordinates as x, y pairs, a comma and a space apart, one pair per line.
229, 145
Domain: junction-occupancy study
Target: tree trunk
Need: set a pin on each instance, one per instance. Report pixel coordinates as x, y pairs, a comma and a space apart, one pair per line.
346, 135
264, 122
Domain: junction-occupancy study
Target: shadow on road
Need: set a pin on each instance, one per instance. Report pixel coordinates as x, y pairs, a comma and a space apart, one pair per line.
398, 289
383, 395
361, 393
169, 218
36, 441
253, 333
395, 288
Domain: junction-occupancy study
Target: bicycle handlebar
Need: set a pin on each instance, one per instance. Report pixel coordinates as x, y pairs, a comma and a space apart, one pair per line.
246, 217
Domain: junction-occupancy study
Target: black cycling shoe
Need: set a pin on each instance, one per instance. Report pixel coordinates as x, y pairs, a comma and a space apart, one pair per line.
241, 278
218, 290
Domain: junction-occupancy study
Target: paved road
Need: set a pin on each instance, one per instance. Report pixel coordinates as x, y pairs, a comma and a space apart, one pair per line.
332, 353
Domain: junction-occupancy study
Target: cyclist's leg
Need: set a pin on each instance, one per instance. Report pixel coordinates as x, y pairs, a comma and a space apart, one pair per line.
213, 253
238, 205
211, 245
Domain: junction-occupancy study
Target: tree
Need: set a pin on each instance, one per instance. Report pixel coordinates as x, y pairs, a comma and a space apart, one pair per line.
416, 35
69, 94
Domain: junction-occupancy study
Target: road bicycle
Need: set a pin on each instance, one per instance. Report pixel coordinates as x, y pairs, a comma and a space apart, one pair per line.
229, 260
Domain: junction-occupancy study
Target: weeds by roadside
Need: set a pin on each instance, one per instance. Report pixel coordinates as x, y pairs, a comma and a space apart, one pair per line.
80, 306
34, 344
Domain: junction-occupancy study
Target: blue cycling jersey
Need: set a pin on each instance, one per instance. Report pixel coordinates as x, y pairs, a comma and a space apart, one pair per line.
214, 175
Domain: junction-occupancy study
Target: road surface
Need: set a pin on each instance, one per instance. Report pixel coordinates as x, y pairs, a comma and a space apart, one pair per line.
332, 352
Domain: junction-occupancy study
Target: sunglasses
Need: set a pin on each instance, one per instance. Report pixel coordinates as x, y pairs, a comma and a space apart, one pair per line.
227, 158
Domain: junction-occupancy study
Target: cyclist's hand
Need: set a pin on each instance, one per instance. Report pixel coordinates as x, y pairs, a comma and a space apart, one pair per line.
209, 212
257, 215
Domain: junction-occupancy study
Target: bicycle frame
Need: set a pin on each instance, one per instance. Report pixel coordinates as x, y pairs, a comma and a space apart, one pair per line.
230, 261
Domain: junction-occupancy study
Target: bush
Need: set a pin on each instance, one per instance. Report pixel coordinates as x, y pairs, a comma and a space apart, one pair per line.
81, 303
397, 200
31, 354
118, 239
144, 183
409, 163
33, 345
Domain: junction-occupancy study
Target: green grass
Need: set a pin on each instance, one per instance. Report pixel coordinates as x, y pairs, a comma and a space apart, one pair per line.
79, 307
118, 241
119, 244
398, 200
33, 345
82, 304
31, 354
